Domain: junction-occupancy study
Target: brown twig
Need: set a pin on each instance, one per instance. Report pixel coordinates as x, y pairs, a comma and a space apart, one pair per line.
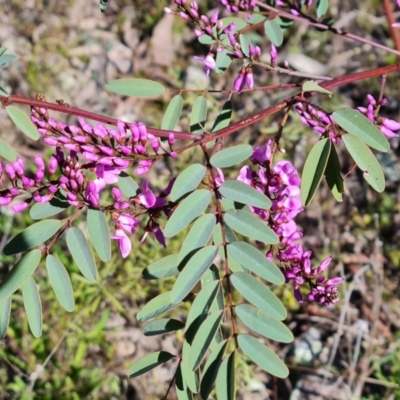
394, 32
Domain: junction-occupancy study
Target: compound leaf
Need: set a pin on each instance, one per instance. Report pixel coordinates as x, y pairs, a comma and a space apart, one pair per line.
231, 156
33, 306
258, 294
23, 122
99, 234
187, 181
136, 87
262, 356
60, 282
148, 362
32, 236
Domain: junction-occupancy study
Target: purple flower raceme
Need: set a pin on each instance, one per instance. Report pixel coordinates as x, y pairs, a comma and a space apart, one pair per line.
280, 182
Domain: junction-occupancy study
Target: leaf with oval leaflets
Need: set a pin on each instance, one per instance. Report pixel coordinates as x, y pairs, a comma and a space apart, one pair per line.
248, 225
314, 170
191, 377
56, 205
211, 369
80, 251
203, 339
198, 236
148, 362
255, 261
163, 268
200, 308
127, 185
263, 323
192, 272
23, 122
182, 390
33, 306
187, 211
262, 356
245, 194
173, 113
32, 236
322, 7
99, 234
231, 156
199, 115
60, 282
359, 125
273, 31
162, 325
366, 161
5, 310
244, 44
224, 117
136, 87
7, 151
310, 86
333, 176
19, 273
222, 61
156, 306
225, 383
187, 181
258, 294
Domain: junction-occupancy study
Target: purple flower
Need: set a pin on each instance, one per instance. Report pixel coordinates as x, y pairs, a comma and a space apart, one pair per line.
208, 61
124, 243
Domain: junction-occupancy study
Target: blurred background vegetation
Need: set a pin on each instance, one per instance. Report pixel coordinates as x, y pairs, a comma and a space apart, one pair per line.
68, 50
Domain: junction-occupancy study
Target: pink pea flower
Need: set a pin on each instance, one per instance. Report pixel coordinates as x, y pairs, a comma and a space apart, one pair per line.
208, 61
124, 243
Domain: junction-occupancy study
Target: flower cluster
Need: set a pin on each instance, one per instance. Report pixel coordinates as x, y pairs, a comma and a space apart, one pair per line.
234, 6
280, 182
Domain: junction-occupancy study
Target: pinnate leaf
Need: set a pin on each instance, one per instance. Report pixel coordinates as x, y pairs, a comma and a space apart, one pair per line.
258, 294
60, 282
23, 122
188, 210
263, 323
32, 236
33, 306
366, 161
19, 274
99, 234
136, 87
248, 225
225, 383
262, 356
314, 170
359, 125
162, 325
80, 251
149, 362
172, 114
187, 181
231, 156
5, 310
192, 272
245, 194
255, 261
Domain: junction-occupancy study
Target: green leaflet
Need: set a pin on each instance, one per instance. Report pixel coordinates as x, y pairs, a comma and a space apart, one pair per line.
23, 122
187, 181
248, 225
173, 113
224, 116
136, 87
225, 383
19, 274
192, 272
103, 5
258, 294
187, 211
182, 390
32, 236
359, 125
7, 58
162, 325
245, 194
198, 116
322, 7
60, 282
99, 234
273, 31
163, 268
33, 306
262, 356
149, 362
366, 161
314, 170
156, 306
333, 176
222, 63
56, 205
191, 377
7, 151
231, 156
5, 310
255, 261
81, 253
127, 185
244, 44
263, 323
311, 86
